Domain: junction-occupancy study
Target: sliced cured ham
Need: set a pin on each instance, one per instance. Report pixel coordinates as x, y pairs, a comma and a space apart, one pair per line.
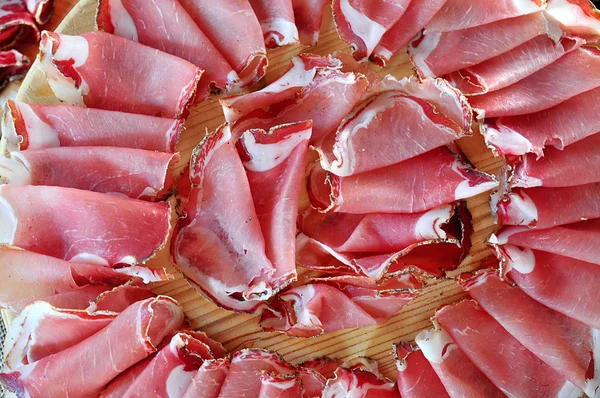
13, 65
363, 380
362, 23
415, 185
308, 15
416, 377
562, 343
459, 376
277, 386
436, 54
417, 15
158, 83
512, 66
119, 385
579, 17
432, 110
548, 207
315, 373
78, 225
276, 21
471, 327
40, 9
135, 173
120, 297
559, 126
572, 74
130, 337
275, 163
577, 164
208, 380
232, 26
168, 27
46, 126
16, 24
463, 14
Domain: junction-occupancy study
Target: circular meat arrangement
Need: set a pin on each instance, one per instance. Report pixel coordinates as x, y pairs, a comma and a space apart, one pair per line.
210, 199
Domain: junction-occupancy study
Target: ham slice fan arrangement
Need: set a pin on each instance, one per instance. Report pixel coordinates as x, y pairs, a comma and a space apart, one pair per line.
331, 197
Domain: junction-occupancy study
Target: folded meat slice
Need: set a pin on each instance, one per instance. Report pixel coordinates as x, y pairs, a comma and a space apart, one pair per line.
572, 74
416, 377
308, 15
579, 17
119, 298
40, 9
362, 23
389, 122
459, 376
16, 24
219, 245
83, 226
512, 66
471, 328
82, 72
315, 373
28, 126
436, 54
278, 386
130, 337
275, 164
548, 207
208, 380
418, 184
13, 65
577, 164
232, 26
119, 385
562, 343
135, 173
362, 379
559, 126
168, 27
276, 19
416, 17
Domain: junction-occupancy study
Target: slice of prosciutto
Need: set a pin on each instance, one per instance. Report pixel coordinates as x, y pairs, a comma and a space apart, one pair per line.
308, 15
417, 15
276, 19
46, 126
135, 173
77, 225
471, 327
274, 164
436, 54
362, 23
572, 74
578, 17
361, 379
459, 376
82, 72
548, 207
208, 380
13, 65
563, 343
40, 9
233, 28
119, 385
279, 386
315, 373
389, 122
416, 377
168, 27
130, 337
120, 297
421, 183
17, 25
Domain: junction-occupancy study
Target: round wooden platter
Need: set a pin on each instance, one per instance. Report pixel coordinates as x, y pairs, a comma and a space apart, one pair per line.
237, 331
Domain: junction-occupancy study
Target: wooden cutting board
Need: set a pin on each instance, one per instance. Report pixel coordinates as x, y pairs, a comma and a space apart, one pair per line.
237, 331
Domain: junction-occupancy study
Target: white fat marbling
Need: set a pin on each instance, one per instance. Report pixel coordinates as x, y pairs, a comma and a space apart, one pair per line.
178, 381
368, 30
521, 260
45, 136
15, 170
420, 54
522, 209
268, 156
89, 258
464, 190
8, 221
122, 21
433, 343
570, 14
429, 225
507, 140
286, 28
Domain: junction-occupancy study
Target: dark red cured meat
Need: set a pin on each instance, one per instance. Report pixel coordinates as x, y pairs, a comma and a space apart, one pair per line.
416, 377
13, 65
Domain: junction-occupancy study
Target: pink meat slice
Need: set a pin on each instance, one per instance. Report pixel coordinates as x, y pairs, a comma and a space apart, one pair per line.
276, 19
308, 15
416, 377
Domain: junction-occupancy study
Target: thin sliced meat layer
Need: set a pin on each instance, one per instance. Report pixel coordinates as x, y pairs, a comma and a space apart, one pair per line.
463, 14
577, 164
275, 163
40, 9
46, 126
362, 23
219, 245
13, 65
430, 113
119, 385
82, 72
416, 377
578, 240
130, 337
315, 373
119, 298
562, 343
77, 299
471, 327
83, 226
135, 173
572, 74
549, 207
208, 380
578, 17
512, 66
41, 330
418, 184
416, 17
308, 15
459, 376
26, 277
166, 26
278, 386
437, 54
276, 19
17, 25
362, 380
234, 30
559, 126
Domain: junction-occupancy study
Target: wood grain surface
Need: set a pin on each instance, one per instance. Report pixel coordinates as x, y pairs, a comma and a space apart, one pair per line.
236, 331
